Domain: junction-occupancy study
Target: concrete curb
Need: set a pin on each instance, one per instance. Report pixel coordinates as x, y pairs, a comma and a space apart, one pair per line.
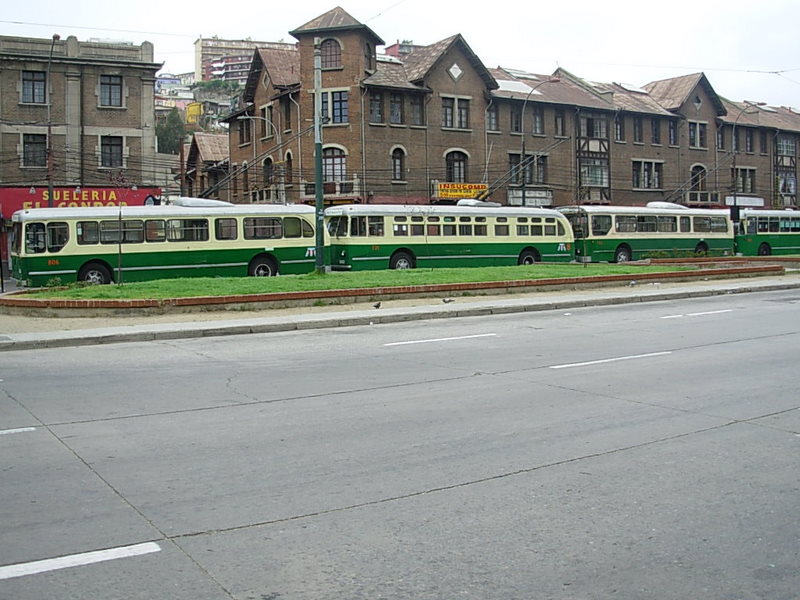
174, 331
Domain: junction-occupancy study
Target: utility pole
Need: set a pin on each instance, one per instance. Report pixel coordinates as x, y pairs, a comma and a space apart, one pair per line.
47, 91
318, 191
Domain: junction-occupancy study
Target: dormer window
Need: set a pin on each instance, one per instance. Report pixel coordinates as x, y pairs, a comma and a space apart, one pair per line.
331, 54
369, 57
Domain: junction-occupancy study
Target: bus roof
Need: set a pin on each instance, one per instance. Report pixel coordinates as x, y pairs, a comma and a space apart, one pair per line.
160, 212
440, 210
643, 210
760, 212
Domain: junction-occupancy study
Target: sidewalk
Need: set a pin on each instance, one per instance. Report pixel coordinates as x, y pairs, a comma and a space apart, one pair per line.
27, 332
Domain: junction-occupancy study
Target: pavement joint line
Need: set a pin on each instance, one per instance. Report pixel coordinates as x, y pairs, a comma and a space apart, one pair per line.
264, 325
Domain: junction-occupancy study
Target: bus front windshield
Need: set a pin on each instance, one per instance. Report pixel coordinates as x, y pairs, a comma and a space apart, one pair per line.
337, 226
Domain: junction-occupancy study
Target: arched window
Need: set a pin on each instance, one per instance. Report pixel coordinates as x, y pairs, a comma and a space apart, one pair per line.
331, 54
398, 165
288, 169
456, 163
269, 171
334, 164
698, 181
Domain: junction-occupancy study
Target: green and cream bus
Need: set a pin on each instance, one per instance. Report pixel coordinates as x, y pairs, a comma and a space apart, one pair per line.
138, 243
407, 236
766, 232
623, 233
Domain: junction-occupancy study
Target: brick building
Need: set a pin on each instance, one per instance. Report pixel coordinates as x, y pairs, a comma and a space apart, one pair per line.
432, 123
77, 116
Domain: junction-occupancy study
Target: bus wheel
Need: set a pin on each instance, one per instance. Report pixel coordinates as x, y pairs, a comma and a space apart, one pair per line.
528, 257
401, 260
701, 249
623, 254
94, 273
764, 250
263, 266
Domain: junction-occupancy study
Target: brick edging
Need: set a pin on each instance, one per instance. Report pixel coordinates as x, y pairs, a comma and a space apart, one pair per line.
18, 301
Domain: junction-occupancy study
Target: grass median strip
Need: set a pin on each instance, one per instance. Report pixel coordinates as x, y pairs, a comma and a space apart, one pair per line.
226, 286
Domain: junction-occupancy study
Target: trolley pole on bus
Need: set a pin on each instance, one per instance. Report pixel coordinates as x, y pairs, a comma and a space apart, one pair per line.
318, 191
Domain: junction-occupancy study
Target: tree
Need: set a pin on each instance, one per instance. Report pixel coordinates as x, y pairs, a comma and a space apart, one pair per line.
171, 133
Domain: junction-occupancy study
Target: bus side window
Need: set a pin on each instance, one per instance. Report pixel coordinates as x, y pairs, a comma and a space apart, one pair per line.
291, 227
88, 232
57, 236
34, 238
308, 230
375, 226
601, 224
686, 224
358, 226
225, 229
155, 230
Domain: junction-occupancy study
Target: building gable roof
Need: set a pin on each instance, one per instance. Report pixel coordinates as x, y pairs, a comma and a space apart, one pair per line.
422, 60
282, 67
673, 93
207, 148
336, 19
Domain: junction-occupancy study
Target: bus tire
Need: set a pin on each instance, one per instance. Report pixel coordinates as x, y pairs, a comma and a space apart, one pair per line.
401, 260
701, 249
95, 273
262, 265
528, 257
764, 250
623, 254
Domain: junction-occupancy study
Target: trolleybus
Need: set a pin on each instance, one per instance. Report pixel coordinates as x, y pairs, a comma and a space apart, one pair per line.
138, 243
766, 232
623, 233
404, 236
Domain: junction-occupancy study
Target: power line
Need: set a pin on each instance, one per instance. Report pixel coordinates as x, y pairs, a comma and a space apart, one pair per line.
63, 26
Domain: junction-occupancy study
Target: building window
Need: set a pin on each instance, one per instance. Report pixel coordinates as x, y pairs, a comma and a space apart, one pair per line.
455, 113
287, 114
535, 169
396, 113
110, 90
417, 110
538, 120
593, 125
34, 87
398, 165
560, 128
697, 135
673, 132
763, 142
655, 131
338, 103
516, 119
34, 150
111, 151
697, 183
748, 141
334, 164
745, 181
269, 171
492, 118
331, 54
267, 125
786, 146
594, 172
647, 174
244, 131
720, 138
288, 171
619, 128
376, 107
638, 134
456, 163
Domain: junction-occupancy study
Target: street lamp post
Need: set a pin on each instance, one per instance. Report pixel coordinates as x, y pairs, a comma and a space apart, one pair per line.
319, 198
56, 37
281, 191
522, 130
734, 174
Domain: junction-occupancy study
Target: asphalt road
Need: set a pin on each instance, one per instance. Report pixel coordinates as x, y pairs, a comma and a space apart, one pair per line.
625, 452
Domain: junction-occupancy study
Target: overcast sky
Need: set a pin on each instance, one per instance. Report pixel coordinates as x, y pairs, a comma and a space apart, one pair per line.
749, 50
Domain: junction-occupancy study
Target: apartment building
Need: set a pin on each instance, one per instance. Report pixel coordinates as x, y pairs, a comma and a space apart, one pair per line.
432, 123
229, 60
78, 118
